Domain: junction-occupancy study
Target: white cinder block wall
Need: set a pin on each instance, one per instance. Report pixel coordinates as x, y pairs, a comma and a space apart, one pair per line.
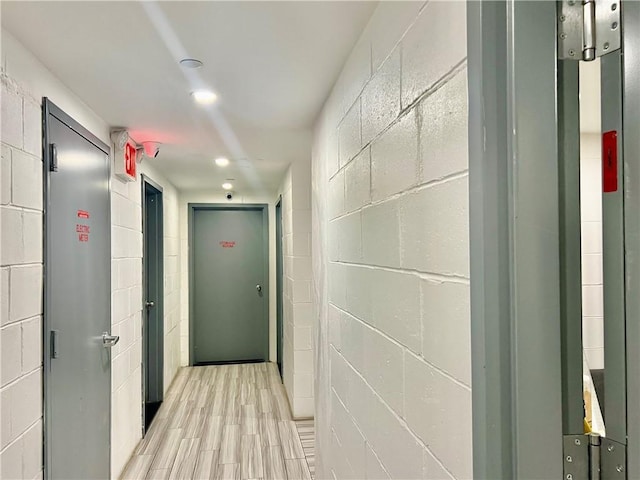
297, 307
127, 306
591, 222
126, 318
25, 80
390, 247
21, 260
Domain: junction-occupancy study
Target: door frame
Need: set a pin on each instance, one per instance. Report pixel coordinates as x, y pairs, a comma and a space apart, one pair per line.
51, 109
514, 239
146, 180
631, 146
522, 233
192, 208
279, 288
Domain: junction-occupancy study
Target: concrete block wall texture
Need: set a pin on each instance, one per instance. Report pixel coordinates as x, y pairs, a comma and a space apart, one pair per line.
126, 319
127, 306
24, 82
591, 223
297, 307
391, 252
21, 273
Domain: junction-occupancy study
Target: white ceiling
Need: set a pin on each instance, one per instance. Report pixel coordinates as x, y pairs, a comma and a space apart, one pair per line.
272, 64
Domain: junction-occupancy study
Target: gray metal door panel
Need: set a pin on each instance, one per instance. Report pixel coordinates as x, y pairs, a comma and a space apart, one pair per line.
153, 272
78, 306
230, 320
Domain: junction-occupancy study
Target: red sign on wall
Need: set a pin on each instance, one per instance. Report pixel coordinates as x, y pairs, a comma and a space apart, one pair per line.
610, 161
227, 244
130, 159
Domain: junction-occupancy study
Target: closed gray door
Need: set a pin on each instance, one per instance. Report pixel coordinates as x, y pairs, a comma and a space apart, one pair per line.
230, 316
78, 306
153, 355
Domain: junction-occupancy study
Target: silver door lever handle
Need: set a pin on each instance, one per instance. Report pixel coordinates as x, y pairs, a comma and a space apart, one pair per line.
109, 340
150, 304
259, 288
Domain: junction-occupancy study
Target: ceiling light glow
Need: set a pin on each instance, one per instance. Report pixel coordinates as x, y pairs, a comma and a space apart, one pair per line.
204, 97
227, 186
222, 161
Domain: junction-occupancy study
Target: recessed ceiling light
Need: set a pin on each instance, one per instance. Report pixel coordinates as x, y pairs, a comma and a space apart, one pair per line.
204, 97
222, 161
227, 186
190, 63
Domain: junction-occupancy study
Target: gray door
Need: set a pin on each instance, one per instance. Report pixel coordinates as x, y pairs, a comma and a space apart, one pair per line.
153, 339
77, 301
229, 284
279, 288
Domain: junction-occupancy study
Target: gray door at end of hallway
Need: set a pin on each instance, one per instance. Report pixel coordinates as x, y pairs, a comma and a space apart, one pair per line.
77, 308
229, 284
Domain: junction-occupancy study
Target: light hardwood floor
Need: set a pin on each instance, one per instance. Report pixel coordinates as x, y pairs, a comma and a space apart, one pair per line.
307, 434
223, 422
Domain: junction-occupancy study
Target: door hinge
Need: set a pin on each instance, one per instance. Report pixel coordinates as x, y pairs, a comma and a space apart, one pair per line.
592, 457
588, 29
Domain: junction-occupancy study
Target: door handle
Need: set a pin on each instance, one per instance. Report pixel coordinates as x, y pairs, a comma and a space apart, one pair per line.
259, 288
109, 340
54, 344
150, 305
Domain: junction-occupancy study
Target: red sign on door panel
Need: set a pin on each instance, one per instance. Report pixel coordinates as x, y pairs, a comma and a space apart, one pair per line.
610, 161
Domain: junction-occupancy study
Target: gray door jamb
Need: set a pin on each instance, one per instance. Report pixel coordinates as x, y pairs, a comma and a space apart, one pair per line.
631, 145
514, 237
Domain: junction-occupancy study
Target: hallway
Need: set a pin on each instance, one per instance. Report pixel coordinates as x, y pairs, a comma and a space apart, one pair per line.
222, 422
337, 240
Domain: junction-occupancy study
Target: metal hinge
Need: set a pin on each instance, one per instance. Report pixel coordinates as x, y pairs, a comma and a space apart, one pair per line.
588, 29
592, 457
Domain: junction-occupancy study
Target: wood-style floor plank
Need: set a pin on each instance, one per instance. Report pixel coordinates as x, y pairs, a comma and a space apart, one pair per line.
230, 471
230, 447
212, 433
273, 460
138, 467
251, 465
168, 450
291, 446
207, 465
297, 468
158, 474
186, 458
225, 422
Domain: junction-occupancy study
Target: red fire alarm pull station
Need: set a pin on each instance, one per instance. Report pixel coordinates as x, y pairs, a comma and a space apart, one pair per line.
610, 161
